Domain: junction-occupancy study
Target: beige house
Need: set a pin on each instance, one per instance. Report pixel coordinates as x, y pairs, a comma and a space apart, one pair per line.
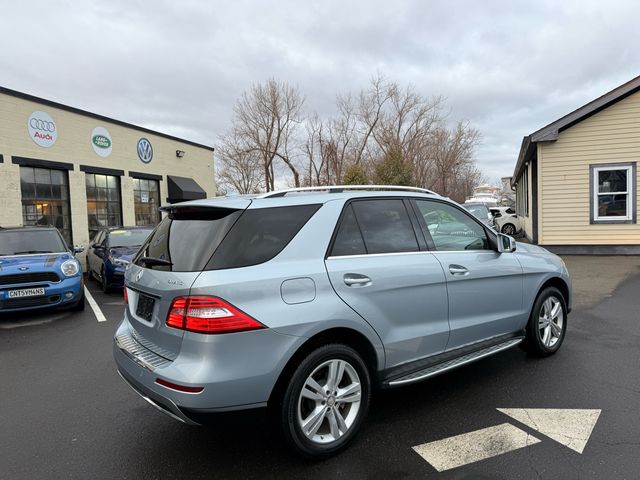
576, 179
80, 171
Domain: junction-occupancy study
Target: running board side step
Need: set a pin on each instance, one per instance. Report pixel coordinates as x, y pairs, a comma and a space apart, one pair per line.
453, 363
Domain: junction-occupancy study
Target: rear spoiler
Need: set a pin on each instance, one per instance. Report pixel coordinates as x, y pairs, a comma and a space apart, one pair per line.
233, 203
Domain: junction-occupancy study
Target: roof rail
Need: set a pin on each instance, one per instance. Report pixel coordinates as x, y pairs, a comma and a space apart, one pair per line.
342, 188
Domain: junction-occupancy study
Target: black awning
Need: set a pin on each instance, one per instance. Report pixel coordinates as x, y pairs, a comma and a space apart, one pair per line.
182, 189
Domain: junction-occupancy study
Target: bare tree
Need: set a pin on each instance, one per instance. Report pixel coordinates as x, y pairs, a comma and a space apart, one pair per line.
264, 121
240, 170
454, 172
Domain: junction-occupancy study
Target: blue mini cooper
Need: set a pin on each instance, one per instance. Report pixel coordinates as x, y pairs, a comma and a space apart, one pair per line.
38, 270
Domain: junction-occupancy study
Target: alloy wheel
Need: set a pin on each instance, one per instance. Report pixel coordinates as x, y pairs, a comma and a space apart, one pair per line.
551, 321
329, 402
509, 229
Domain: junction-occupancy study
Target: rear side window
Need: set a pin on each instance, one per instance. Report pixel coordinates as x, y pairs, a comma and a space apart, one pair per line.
259, 235
187, 238
348, 239
385, 226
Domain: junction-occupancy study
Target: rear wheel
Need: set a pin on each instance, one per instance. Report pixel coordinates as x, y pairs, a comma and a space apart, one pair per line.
325, 401
509, 229
547, 324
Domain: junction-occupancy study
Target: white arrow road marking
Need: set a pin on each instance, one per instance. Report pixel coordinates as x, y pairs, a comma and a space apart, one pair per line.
471, 447
570, 427
94, 306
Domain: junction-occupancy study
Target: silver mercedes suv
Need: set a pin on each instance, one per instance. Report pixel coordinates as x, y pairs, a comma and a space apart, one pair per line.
305, 300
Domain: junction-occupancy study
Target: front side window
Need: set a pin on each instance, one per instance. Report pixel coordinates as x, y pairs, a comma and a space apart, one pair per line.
103, 202
146, 200
385, 226
612, 191
45, 199
451, 229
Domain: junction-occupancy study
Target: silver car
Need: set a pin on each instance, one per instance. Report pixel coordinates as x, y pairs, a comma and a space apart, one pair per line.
304, 301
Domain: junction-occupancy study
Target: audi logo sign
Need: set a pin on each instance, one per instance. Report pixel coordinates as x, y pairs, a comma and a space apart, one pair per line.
42, 129
101, 141
145, 150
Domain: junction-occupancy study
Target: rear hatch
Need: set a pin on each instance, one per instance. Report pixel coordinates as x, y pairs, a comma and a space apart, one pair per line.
168, 264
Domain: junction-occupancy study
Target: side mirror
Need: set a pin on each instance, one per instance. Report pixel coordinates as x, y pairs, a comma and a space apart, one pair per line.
78, 249
506, 244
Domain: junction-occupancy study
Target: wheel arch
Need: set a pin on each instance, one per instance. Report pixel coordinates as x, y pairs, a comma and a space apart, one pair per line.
561, 285
343, 335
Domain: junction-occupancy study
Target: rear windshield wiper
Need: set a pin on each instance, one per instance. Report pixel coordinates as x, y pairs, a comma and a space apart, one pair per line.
32, 251
151, 261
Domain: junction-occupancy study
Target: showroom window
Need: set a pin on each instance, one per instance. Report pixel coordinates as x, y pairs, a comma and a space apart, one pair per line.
104, 207
45, 199
613, 193
146, 198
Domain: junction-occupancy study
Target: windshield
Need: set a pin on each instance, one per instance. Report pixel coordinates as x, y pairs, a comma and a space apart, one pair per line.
478, 211
22, 242
128, 238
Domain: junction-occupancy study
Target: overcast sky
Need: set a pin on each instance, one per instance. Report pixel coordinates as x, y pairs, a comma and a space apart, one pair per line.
178, 66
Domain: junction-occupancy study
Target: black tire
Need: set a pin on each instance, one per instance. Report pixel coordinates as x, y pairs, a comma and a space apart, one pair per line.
534, 342
289, 416
79, 306
508, 229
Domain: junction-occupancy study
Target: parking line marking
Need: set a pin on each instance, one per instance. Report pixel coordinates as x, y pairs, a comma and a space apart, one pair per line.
94, 306
570, 427
474, 446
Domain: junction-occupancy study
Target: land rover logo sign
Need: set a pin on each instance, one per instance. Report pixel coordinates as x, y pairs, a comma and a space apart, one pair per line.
42, 129
145, 150
101, 141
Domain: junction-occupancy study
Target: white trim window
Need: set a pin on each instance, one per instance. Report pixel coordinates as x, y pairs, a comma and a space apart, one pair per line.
613, 193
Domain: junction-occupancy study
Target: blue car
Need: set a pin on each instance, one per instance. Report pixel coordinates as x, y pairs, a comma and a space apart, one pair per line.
111, 252
38, 270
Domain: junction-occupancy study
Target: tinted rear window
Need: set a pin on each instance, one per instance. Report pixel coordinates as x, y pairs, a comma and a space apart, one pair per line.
259, 235
385, 226
348, 237
187, 238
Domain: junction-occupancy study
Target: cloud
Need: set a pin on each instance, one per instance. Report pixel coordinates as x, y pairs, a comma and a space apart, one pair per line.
508, 67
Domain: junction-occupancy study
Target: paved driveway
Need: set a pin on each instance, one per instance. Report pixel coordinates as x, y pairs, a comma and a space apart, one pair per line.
66, 414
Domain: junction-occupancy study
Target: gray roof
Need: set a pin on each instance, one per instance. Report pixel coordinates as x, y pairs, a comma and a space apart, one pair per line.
549, 133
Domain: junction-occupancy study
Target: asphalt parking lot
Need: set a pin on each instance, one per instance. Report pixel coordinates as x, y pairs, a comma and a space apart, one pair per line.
65, 413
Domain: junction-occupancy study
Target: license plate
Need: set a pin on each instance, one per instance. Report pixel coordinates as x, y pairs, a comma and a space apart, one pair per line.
144, 309
26, 292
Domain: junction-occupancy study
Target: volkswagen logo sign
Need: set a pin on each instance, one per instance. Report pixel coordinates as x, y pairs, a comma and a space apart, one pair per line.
139, 275
145, 150
42, 129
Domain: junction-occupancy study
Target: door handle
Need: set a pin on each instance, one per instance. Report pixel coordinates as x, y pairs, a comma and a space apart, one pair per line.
356, 280
458, 270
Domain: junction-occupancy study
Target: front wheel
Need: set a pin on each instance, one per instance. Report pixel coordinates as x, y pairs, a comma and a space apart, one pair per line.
547, 324
325, 401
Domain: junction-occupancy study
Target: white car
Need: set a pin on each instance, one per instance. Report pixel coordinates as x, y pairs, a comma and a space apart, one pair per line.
506, 220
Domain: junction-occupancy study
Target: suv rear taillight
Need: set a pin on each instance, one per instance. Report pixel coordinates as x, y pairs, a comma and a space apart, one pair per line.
209, 315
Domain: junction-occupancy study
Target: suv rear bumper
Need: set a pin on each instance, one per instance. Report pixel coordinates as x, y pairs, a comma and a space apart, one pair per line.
224, 368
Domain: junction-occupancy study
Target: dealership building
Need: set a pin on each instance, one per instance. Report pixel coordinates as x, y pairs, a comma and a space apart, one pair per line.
80, 171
